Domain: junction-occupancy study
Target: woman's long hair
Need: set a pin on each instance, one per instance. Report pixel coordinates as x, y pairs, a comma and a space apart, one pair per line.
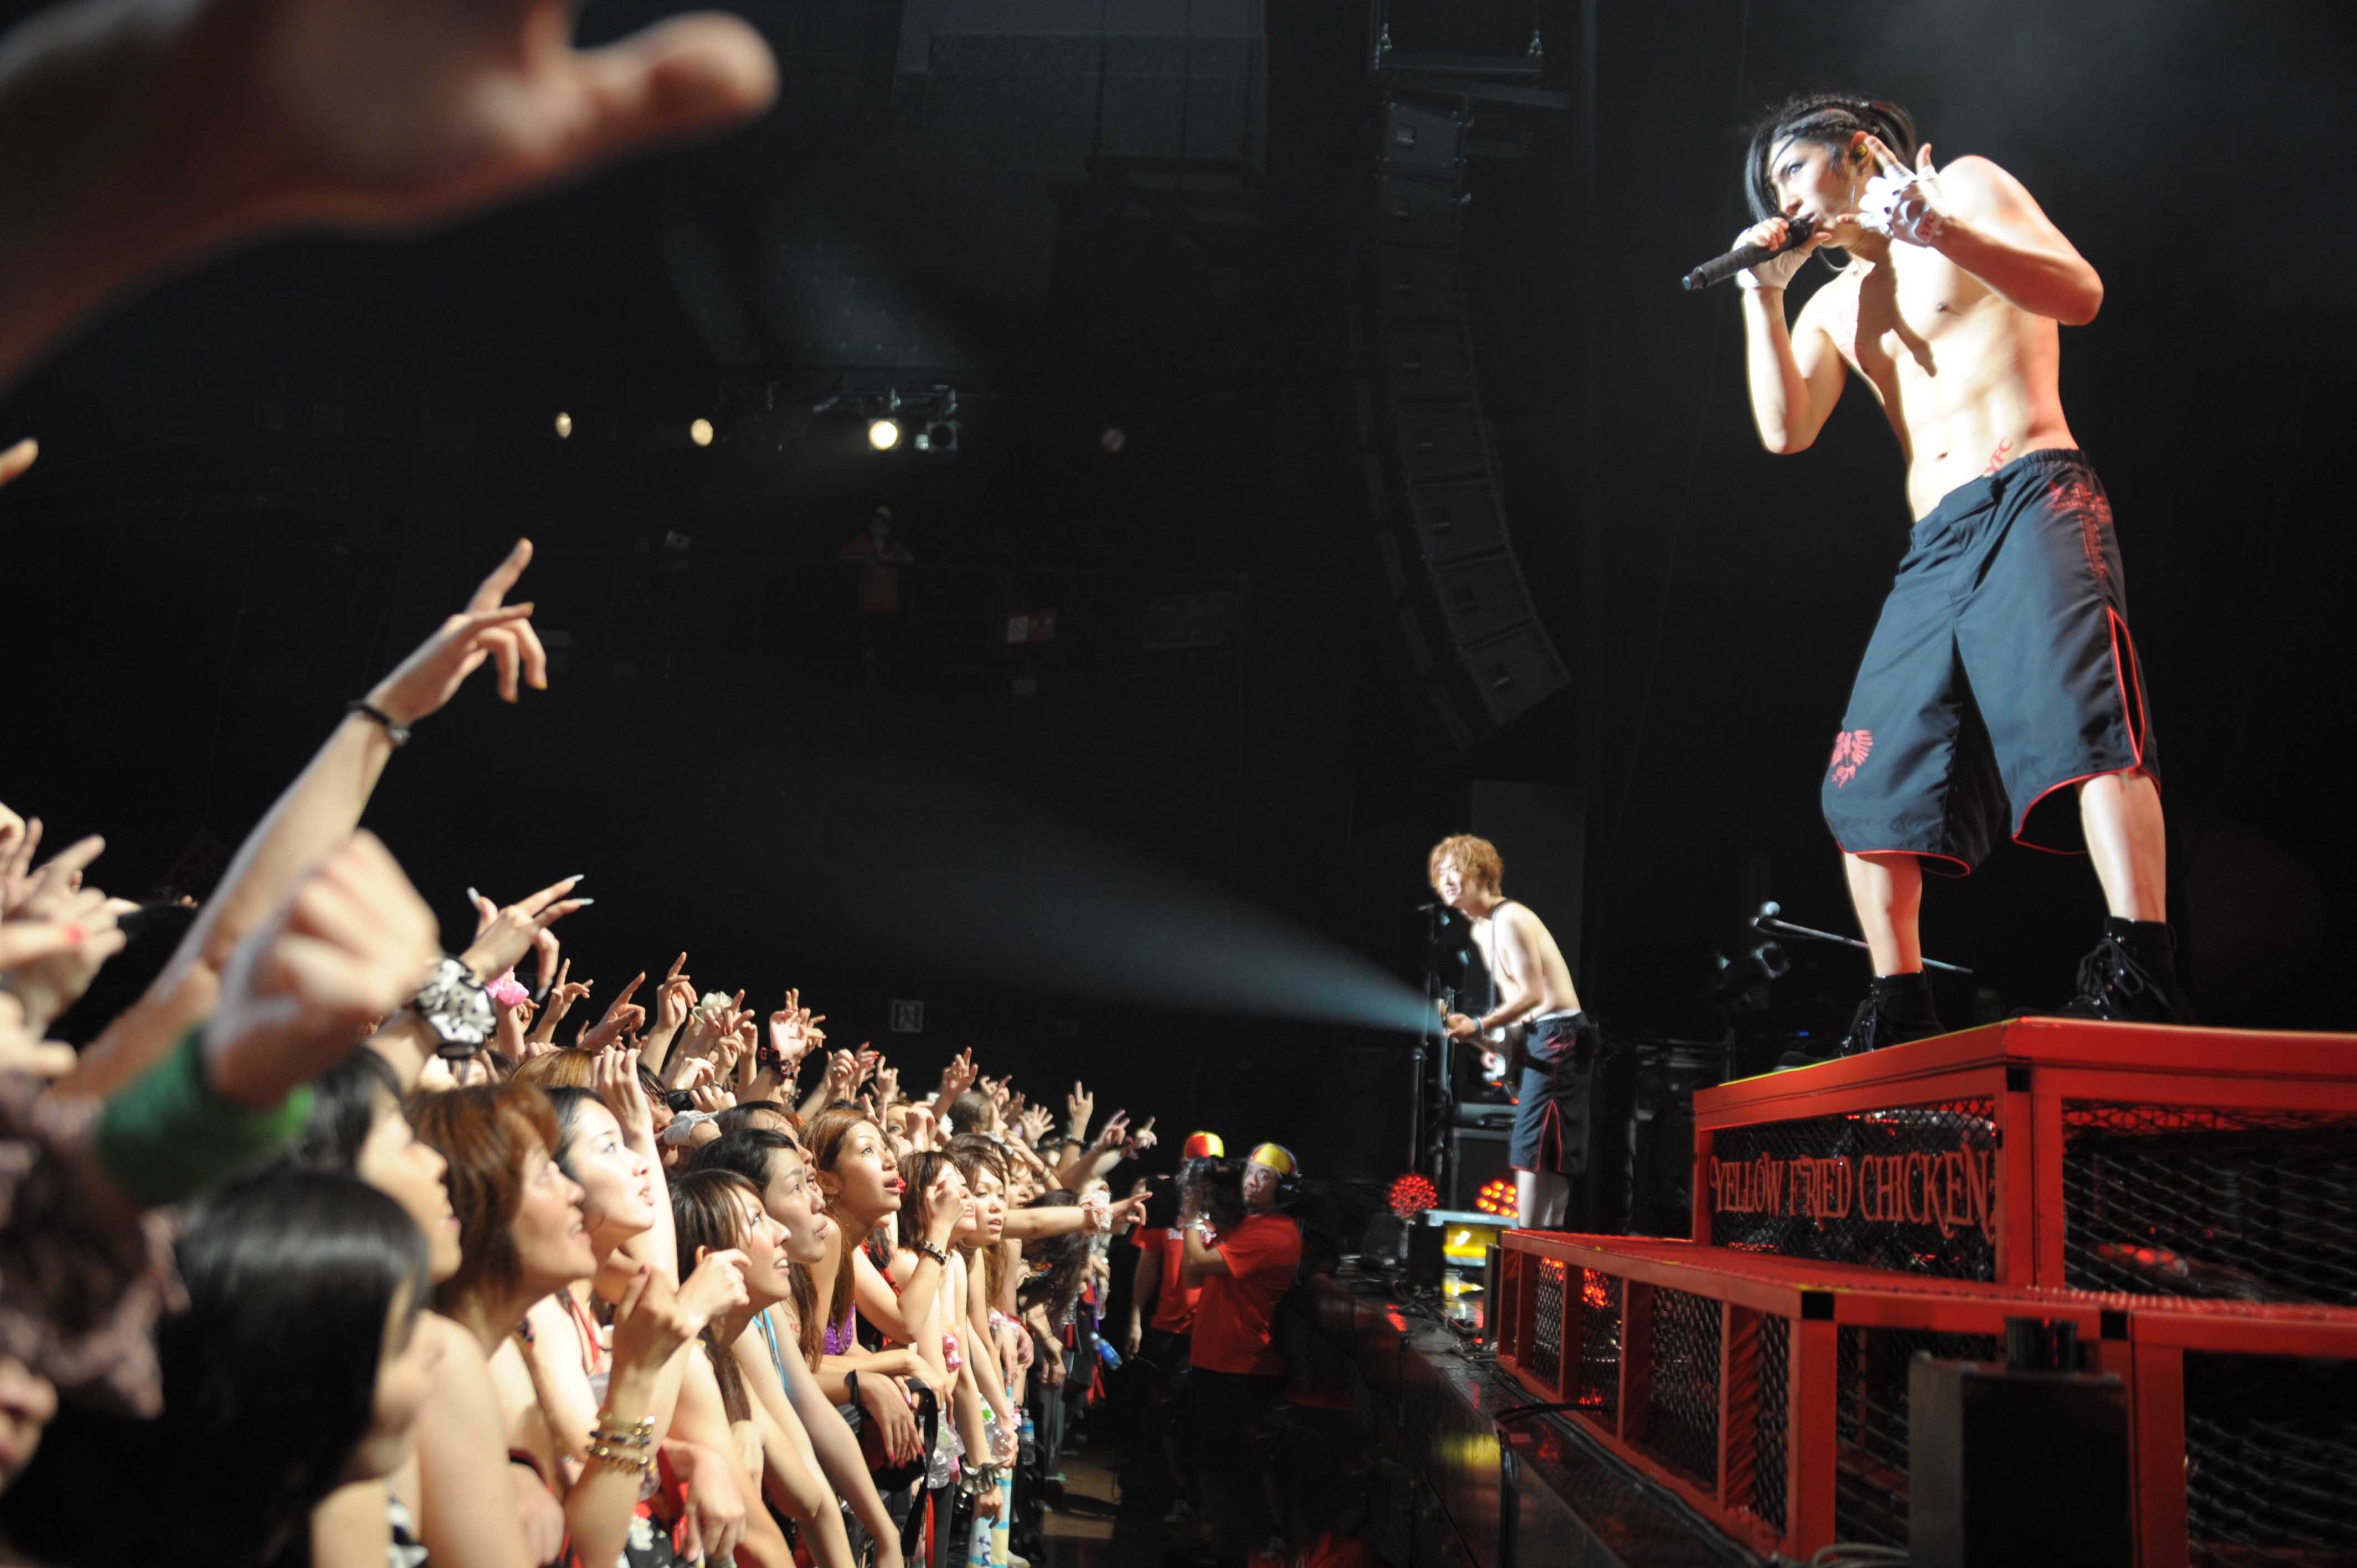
825, 1138
916, 1177
750, 1152
1063, 1261
973, 1155
485, 1132
269, 1385
706, 1212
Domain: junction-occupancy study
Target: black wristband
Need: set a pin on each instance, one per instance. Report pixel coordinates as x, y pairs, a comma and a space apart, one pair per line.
398, 732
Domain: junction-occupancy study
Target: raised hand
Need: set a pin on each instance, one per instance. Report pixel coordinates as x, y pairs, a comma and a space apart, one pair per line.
18, 844
60, 933
560, 998
1079, 1107
23, 1050
503, 935
544, 948
1130, 1210
1906, 204
842, 1074
1777, 271
956, 1078
716, 1287
372, 114
1034, 1124
652, 1321
1143, 1139
674, 999
616, 1079
620, 1015
18, 458
486, 628
349, 947
508, 1037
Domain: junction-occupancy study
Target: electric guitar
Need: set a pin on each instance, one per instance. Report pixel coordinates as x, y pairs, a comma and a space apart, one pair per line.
1502, 1048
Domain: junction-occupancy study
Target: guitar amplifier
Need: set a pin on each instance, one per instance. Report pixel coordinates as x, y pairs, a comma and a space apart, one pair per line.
1477, 1156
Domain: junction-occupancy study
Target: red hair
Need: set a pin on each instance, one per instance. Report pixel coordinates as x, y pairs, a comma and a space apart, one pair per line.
485, 1132
1475, 860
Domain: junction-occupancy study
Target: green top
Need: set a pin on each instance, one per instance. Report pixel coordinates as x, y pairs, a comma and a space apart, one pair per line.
170, 1134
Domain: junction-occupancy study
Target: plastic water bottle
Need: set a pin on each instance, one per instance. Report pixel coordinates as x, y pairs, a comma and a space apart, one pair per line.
1106, 1353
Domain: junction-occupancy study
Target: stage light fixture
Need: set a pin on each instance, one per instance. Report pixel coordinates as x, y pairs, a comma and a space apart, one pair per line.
884, 434
1412, 1194
938, 436
700, 432
563, 425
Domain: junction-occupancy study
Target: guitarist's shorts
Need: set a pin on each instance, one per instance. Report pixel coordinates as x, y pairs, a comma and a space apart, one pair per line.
1550, 1100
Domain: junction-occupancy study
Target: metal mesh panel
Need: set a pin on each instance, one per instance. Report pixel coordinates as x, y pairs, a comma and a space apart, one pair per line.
1682, 1409
1770, 1418
2188, 1200
1597, 1389
1870, 1437
2270, 1453
1543, 1355
1842, 1189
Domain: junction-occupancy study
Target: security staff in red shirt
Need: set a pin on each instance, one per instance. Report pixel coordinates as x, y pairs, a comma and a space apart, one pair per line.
1162, 1316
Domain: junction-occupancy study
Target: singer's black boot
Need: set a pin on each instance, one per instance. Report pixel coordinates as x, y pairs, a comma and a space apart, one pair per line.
1897, 1008
2131, 977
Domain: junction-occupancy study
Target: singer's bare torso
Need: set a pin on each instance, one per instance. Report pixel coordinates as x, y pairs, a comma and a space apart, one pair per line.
1527, 964
1968, 380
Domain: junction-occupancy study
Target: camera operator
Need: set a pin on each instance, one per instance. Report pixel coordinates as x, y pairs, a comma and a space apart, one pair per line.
1245, 1251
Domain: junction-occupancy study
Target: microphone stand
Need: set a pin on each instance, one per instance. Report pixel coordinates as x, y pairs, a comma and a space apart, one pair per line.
1768, 921
1435, 921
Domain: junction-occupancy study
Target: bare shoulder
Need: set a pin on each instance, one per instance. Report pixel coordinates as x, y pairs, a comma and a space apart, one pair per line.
461, 1357
1521, 922
1974, 184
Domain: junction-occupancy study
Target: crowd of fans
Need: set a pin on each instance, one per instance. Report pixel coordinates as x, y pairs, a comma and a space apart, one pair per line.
324, 1244
332, 1242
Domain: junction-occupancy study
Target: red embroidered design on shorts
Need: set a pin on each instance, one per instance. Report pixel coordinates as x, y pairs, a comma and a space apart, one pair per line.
1850, 747
2088, 504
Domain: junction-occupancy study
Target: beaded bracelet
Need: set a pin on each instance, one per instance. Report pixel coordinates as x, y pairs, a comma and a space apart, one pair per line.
625, 1447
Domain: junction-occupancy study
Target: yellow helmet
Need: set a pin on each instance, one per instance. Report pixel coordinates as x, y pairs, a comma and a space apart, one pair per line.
1276, 1157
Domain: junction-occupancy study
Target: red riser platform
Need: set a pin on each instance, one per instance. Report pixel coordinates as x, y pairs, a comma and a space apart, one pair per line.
2150, 1159
1770, 1393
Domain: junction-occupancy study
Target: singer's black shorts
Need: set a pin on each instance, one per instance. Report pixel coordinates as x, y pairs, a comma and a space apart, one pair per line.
1551, 1098
2001, 671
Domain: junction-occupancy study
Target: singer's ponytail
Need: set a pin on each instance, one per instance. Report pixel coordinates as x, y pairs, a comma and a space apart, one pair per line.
1827, 119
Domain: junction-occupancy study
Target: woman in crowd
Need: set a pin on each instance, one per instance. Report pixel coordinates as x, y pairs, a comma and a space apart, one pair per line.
781, 1350
470, 1508
717, 1213
524, 1237
297, 1368
935, 1213
854, 1165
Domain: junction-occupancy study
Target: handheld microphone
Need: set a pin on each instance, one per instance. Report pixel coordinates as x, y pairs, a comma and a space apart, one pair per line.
1721, 268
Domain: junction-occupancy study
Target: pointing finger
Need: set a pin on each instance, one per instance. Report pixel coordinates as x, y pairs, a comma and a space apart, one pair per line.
503, 576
